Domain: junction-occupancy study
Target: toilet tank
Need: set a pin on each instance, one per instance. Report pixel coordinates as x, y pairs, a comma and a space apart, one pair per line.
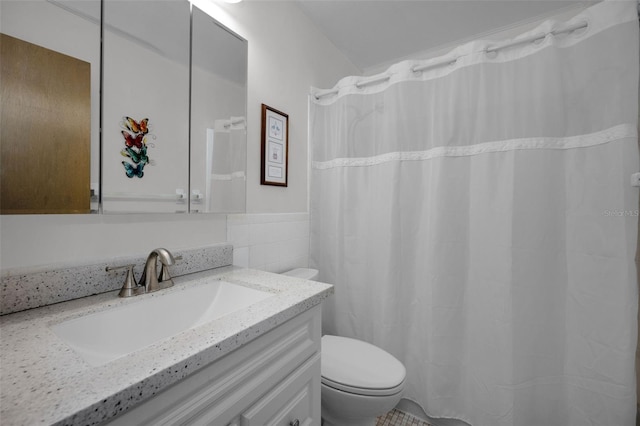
304, 273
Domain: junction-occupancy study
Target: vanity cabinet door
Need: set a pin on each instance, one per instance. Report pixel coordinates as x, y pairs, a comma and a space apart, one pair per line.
295, 401
276, 373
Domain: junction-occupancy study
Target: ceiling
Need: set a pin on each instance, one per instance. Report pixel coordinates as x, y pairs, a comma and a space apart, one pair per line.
377, 33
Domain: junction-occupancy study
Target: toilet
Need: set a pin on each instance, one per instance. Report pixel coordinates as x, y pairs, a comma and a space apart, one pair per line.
360, 381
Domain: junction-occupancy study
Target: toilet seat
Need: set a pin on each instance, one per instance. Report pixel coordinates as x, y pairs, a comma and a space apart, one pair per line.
358, 367
363, 391
304, 273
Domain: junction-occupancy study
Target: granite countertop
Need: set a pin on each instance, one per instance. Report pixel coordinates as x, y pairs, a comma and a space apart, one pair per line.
44, 382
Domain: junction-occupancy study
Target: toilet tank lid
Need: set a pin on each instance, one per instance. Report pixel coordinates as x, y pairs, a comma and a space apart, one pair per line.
304, 273
359, 364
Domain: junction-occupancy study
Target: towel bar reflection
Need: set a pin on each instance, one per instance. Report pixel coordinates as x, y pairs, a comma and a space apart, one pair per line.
127, 196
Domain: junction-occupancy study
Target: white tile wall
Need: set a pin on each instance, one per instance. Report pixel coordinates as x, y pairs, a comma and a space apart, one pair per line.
269, 242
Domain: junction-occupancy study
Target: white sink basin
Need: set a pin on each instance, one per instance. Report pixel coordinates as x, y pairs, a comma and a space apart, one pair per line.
105, 336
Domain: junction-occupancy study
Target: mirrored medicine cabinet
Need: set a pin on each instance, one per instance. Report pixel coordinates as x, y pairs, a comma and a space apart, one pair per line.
120, 107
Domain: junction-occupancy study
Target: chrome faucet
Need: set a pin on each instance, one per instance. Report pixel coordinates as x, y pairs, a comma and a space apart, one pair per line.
150, 279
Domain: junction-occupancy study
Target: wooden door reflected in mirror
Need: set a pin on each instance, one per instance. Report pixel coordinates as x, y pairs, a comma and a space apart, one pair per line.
45, 130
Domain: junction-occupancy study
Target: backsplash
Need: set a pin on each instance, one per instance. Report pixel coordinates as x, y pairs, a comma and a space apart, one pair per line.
269, 242
27, 288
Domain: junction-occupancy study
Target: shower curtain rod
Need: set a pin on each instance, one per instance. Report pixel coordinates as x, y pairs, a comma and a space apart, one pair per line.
233, 123
381, 79
451, 61
538, 37
532, 39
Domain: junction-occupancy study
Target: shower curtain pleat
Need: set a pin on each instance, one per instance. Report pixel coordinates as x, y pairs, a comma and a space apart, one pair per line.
478, 223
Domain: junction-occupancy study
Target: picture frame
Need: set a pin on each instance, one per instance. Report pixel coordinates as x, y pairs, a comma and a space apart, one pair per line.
274, 169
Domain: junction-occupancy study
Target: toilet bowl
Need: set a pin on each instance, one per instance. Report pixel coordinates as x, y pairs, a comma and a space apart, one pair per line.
360, 381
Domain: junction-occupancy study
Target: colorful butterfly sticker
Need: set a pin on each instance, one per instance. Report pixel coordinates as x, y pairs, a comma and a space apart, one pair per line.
135, 140
130, 140
141, 126
132, 171
136, 156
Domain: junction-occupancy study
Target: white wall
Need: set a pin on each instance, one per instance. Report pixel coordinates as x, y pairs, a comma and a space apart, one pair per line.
287, 55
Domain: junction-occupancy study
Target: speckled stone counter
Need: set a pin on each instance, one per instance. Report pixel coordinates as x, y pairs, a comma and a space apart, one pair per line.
44, 382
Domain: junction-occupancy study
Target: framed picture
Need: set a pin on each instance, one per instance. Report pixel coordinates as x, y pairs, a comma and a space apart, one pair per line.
275, 147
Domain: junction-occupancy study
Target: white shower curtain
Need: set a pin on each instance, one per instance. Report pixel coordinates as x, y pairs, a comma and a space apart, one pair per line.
478, 222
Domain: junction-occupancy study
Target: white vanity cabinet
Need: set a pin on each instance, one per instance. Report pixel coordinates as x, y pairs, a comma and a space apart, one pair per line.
272, 380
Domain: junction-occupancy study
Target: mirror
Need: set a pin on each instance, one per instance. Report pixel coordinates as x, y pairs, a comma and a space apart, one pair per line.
145, 106
218, 110
49, 141
174, 87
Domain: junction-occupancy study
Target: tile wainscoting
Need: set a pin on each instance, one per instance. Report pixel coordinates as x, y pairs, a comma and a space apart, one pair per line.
274, 242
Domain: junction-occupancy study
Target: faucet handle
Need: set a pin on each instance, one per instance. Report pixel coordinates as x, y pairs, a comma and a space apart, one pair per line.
129, 288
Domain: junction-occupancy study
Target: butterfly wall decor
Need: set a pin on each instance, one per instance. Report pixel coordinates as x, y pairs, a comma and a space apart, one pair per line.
135, 135
130, 140
136, 156
132, 170
135, 126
